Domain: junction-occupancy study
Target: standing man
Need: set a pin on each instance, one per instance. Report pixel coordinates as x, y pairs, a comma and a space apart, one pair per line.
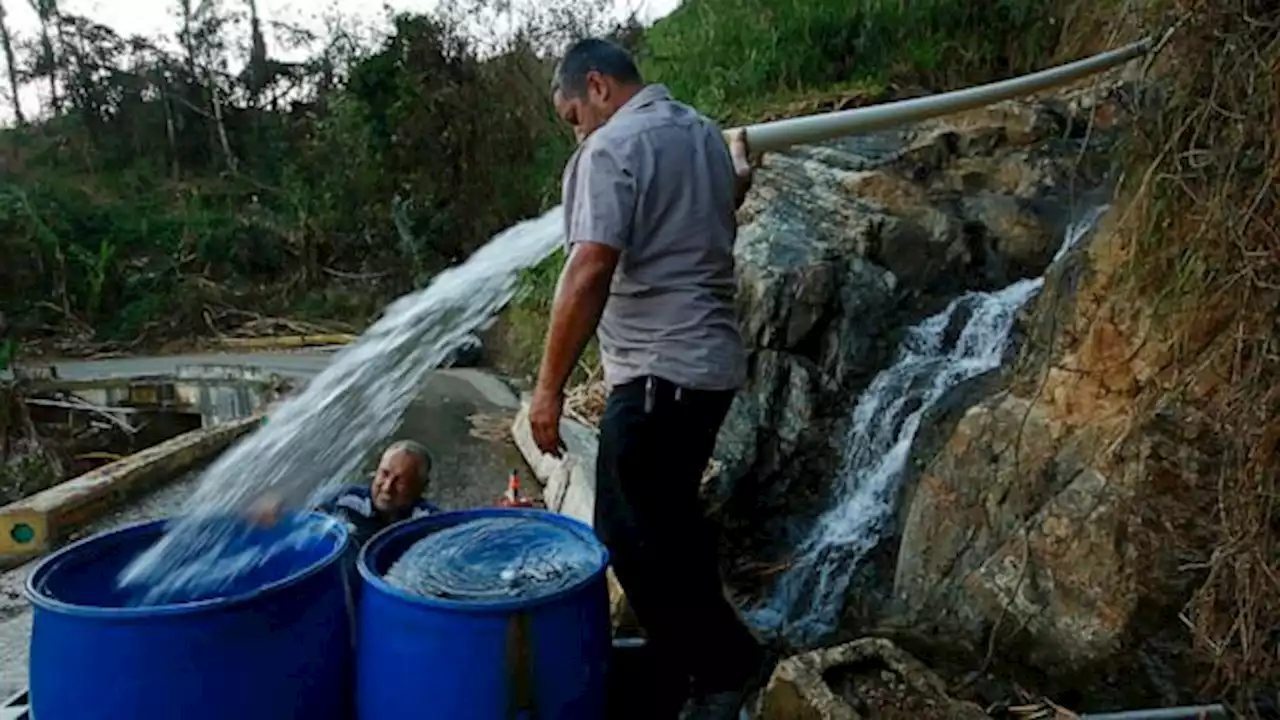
650, 198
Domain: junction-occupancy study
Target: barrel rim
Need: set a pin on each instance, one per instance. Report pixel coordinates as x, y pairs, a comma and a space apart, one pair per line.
49, 564
472, 606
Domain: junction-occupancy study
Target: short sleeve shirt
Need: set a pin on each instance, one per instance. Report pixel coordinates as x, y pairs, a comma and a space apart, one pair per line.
656, 182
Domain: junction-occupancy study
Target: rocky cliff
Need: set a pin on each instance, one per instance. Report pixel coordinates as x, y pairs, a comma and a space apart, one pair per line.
843, 248
1094, 516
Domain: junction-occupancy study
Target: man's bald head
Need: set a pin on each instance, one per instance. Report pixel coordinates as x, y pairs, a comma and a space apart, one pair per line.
402, 477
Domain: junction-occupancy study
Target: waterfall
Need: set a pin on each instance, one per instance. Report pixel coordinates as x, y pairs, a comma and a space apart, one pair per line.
931, 360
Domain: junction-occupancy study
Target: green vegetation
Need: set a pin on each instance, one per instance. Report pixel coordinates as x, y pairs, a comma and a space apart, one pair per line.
166, 195
1195, 263
727, 56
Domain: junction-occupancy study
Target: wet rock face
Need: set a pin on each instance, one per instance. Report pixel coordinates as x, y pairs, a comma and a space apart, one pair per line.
1068, 536
1061, 516
844, 245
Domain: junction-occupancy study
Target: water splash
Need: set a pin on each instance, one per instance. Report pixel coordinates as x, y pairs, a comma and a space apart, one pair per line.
496, 558
932, 359
319, 438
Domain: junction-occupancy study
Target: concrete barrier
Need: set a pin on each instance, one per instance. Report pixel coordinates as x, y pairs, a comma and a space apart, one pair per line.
35, 525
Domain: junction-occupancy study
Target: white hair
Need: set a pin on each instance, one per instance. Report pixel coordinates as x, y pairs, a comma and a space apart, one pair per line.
413, 449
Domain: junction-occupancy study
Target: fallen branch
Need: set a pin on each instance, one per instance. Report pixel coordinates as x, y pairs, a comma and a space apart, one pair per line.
65, 405
74, 403
342, 275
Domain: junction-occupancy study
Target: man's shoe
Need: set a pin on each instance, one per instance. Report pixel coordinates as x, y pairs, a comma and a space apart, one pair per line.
730, 704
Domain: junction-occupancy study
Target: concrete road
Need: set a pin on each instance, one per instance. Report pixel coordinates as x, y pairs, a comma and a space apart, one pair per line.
461, 415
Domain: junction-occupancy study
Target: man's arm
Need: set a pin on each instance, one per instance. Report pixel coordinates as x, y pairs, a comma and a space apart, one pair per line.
599, 229
584, 289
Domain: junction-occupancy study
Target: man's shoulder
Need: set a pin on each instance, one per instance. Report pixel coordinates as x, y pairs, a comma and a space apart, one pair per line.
351, 498
658, 117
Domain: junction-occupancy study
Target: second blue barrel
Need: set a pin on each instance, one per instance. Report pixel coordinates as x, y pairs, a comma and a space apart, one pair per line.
268, 643
483, 614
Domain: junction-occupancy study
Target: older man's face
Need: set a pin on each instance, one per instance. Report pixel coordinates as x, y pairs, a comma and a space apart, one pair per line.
396, 485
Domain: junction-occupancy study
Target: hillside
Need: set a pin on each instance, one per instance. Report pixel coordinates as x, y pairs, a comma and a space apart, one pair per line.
164, 197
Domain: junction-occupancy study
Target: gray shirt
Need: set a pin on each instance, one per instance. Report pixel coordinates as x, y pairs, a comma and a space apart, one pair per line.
656, 182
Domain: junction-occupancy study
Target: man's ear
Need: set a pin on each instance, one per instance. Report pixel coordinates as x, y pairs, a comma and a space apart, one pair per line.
598, 86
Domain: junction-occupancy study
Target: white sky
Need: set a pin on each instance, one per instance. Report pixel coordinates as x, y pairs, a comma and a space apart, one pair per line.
154, 18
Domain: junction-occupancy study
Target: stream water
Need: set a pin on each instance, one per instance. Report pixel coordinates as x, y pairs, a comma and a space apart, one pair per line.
968, 338
319, 438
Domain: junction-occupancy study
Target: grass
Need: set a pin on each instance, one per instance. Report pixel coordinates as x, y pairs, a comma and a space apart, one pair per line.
515, 342
722, 55
1199, 270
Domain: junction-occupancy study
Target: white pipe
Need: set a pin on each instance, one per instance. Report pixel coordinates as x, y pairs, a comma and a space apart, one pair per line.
781, 134
1200, 712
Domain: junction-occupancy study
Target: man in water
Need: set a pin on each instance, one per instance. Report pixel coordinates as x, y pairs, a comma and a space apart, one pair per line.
394, 493
650, 198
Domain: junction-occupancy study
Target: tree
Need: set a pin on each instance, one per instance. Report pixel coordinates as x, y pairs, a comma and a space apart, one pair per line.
6, 45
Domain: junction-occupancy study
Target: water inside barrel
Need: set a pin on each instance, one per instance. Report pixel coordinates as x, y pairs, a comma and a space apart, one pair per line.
239, 558
496, 558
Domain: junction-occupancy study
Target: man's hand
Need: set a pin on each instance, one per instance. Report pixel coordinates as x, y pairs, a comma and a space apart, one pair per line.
265, 511
740, 152
544, 421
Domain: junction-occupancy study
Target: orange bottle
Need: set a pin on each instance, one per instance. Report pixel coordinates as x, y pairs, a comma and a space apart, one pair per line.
512, 497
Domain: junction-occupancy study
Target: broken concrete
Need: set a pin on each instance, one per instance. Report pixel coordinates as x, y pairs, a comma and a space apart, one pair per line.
569, 481
217, 393
866, 678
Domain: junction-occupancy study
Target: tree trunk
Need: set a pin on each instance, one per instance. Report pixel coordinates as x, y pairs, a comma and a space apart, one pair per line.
256, 71
47, 11
220, 127
6, 44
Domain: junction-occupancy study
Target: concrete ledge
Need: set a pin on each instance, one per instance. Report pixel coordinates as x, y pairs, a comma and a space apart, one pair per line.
35, 525
286, 341
569, 488
216, 393
568, 482
17, 707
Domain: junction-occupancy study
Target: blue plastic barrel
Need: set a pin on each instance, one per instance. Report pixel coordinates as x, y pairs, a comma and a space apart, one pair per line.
502, 659
275, 644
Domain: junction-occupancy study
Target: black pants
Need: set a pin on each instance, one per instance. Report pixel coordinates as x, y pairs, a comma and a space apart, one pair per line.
654, 447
